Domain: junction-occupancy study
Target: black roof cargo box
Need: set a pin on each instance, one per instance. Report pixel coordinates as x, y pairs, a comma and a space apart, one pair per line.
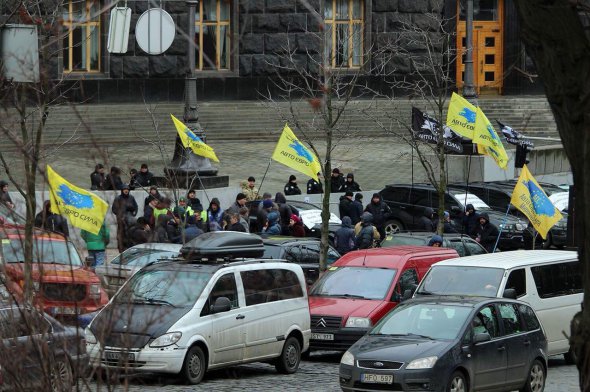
223, 245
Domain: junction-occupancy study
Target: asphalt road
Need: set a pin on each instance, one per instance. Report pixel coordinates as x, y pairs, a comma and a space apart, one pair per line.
320, 373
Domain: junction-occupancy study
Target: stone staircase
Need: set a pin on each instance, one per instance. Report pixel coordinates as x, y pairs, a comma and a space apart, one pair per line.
112, 124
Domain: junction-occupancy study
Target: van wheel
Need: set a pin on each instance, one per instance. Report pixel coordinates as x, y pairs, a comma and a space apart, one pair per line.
194, 365
457, 382
570, 357
393, 227
536, 379
288, 362
61, 376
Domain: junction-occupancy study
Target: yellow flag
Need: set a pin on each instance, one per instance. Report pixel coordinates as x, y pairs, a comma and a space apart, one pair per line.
531, 200
461, 116
189, 139
487, 140
290, 152
83, 209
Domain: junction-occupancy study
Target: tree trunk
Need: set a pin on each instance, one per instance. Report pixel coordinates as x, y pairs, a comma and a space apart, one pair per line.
325, 232
556, 41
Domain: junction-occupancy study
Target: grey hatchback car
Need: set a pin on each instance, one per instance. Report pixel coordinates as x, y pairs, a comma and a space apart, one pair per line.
450, 344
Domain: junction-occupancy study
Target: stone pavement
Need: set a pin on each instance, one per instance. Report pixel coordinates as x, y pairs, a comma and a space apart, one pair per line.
319, 374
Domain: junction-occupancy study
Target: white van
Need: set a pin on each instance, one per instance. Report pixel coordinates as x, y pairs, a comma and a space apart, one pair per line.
550, 281
205, 311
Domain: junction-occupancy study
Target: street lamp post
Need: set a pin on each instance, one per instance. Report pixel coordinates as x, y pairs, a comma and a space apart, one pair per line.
468, 87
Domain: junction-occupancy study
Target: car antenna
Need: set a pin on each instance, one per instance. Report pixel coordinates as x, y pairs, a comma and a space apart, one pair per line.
364, 258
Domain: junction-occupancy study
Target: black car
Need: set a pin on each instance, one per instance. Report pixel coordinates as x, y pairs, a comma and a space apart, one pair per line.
497, 195
463, 244
450, 344
408, 202
38, 352
302, 251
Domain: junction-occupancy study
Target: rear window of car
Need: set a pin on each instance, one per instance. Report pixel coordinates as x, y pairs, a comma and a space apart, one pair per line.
555, 280
395, 240
272, 252
461, 280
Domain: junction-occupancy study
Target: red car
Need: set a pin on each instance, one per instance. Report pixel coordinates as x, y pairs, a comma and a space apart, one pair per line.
63, 286
362, 287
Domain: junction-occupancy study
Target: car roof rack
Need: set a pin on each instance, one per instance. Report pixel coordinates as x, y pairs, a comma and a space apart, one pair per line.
222, 247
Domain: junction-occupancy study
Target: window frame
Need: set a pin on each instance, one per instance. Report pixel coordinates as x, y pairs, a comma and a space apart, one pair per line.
331, 25
87, 23
200, 24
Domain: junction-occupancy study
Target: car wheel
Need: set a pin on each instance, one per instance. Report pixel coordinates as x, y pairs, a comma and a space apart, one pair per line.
536, 379
393, 226
457, 383
61, 376
288, 362
194, 365
570, 357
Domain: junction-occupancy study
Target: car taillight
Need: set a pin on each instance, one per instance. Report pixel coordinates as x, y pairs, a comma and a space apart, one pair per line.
94, 291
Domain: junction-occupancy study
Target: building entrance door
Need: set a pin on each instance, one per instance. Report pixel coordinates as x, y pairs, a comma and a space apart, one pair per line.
488, 48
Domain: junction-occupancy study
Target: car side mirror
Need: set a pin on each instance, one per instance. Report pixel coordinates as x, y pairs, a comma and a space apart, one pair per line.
408, 294
222, 304
509, 293
89, 260
396, 297
481, 337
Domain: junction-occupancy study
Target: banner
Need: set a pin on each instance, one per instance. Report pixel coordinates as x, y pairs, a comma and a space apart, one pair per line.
531, 200
427, 129
514, 137
461, 116
189, 139
83, 209
290, 152
487, 140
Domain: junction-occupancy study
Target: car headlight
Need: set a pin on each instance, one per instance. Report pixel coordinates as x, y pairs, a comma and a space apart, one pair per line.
94, 291
347, 359
422, 363
166, 339
520, 226
89, 336
358, 322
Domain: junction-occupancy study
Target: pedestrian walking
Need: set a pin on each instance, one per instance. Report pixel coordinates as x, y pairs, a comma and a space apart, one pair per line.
315, 187
344, 238
368, 235
96, 244
291, 188
5, 196
250, 190
350, 184
124, 208
97, 178
50, 221
486, 233
379, 211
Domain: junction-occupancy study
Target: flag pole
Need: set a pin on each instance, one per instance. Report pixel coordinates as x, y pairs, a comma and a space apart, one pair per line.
263, 177
534, 237
501, 227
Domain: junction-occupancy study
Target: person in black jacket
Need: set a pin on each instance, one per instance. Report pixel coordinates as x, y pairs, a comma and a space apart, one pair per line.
285, 212
97, 178
379, 210
124, 208
144, 177
336, 181
486, 233
315, 187
291, 187
470, 220
350, 184
52, 222
344, 238
356, 209
113, 180
425, 222
448, 227
365, 239
345, 206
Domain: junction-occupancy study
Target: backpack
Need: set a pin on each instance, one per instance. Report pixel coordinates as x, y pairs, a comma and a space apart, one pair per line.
364, 240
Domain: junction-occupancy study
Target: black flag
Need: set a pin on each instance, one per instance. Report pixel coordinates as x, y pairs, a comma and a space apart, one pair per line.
426, 128
514, 137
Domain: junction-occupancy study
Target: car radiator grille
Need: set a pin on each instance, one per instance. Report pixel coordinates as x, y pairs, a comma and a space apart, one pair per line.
320, 322
64, 292
385, 365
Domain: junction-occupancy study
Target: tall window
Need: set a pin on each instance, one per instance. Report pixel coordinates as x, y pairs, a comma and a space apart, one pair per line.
344, 27
213, 34
81, 42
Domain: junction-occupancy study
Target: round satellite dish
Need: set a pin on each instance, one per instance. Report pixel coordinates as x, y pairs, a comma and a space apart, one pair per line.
155, 31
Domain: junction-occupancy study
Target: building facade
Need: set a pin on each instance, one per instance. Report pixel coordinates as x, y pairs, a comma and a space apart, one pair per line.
241, 45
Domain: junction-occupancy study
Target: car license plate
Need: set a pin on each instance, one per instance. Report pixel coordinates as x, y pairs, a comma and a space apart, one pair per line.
322, 336
64, 310
377, 378
118, 355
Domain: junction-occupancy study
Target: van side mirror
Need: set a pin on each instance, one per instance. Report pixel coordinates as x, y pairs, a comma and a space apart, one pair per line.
509, 293
89, 260
481, 337
222, 304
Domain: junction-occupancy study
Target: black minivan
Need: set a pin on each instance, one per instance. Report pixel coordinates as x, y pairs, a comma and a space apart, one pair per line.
450, 344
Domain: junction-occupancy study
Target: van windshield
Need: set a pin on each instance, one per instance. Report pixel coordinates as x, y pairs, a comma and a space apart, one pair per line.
44, 251
164, 287
459, 280
354, 282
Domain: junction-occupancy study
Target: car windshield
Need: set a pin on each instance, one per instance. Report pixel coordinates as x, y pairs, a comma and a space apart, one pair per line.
44, 251
396, 240
156, 287
140, 257
469, 198
354, 282
434, 321
272, 252
459, 280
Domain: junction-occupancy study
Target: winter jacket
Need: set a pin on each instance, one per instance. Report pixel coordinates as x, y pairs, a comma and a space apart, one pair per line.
336, 184
470, 222
236, 227
124, 205
487, 233
448, 228
191, 232
379, 210
96, 241
273, 224
113, 182
314, 187
356, 210
344, 238
352, 186
52, 222
144, 179
365, 237
345, 207
214, 218
291, 189
297, 229
425, 222
251, 193
97, 181
138, 235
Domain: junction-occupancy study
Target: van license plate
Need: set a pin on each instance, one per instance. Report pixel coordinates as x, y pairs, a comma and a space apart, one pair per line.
322, 336
117, 356
377, 378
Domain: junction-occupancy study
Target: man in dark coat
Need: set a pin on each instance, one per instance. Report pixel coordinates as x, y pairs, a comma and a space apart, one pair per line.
344, 238
470, 221
47, 220
144, 177
350, 184
379, 210
356, 209
345, 206
336, 181
124, 208
291, 187
97, 178
365, 239
315, 187
285, 212
486, 233
448, 227
425, 222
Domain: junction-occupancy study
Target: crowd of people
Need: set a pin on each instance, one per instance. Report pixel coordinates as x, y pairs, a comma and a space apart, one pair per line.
363, 226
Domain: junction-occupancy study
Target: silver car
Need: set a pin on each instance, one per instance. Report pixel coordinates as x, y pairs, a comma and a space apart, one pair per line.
114, 273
